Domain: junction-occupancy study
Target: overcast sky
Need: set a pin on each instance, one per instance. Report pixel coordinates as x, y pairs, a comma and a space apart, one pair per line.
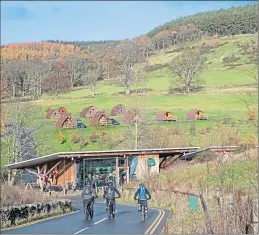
24, 21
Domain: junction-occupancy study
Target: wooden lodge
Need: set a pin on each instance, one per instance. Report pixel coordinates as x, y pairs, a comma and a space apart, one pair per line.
118, 110
196, 114
66, 121
55, 113
132, 116
165, 116
99, 119
89, 111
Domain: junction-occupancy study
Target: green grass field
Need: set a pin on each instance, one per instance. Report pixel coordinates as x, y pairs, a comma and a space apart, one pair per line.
220, 99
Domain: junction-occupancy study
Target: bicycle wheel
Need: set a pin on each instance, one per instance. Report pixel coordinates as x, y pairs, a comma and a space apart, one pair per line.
86, 213
142, 213
113, 212
109, 210
91, 213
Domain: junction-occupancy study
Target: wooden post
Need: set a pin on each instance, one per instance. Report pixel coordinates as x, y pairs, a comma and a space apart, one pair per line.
207, 217
40, 181
64, 176
128, 175
117, 172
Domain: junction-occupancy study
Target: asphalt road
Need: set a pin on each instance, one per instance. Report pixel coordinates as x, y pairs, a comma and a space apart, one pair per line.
127, 221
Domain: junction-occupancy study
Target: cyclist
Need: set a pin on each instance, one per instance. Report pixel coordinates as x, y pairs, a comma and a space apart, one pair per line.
109, 194
88, 195
142, 193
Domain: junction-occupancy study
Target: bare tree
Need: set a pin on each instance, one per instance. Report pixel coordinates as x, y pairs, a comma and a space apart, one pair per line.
92, 76
37, 71
58, 81
134, 136
129, 57
144, 45
76, 67
187, 67
15, 74
21, 145
252, 109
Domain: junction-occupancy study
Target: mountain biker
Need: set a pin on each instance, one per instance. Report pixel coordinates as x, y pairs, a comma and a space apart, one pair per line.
88, 195
109, 194
142, 193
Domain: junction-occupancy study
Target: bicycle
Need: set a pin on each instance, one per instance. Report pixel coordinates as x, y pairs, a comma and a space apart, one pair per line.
110, 212
143, 211
89, 212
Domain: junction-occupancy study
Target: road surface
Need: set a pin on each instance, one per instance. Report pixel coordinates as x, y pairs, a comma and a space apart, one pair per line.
127, 221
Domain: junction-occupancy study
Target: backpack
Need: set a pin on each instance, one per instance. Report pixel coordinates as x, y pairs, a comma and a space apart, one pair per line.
142, 193
110, 194
87, 190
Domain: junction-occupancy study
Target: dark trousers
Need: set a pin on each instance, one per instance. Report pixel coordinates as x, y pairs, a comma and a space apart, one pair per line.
88, 201
113, 203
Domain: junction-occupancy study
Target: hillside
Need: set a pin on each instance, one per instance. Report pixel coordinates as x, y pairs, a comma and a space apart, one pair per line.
224, 85
233, 21
138, 73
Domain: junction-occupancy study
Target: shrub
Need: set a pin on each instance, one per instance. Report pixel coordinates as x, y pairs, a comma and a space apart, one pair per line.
93, 136
75, 139
15, 196
251, 115
83, 142
61, 138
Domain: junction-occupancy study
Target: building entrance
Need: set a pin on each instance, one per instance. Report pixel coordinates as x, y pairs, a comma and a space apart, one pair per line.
99, 170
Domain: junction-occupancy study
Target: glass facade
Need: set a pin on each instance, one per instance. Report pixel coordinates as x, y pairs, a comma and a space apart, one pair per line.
95, 169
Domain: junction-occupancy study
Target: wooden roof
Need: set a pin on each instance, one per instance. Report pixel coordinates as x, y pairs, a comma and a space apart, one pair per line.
49, 113
118, 107
161, 115
86, 110
191, 113
129, 116
95, 119
62, 119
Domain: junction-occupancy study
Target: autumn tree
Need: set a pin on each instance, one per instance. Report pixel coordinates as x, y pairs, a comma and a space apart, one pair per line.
144, 45
187, 67
58, 81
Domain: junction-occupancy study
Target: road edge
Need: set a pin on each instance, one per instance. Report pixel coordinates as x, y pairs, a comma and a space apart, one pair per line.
39, 221
153, 227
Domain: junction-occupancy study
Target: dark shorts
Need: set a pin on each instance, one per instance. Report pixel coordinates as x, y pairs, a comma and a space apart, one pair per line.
143, 202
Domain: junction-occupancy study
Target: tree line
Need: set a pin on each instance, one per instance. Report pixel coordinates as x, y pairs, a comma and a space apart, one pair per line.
233, 21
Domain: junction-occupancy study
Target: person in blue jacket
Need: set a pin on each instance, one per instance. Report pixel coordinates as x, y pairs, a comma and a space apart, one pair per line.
142, 194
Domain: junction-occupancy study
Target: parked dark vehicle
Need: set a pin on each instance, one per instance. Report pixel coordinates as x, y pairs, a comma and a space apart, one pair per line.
113, 122
80, 125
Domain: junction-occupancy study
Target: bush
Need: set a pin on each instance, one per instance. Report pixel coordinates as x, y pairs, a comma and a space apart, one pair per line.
15, 196
61, 138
